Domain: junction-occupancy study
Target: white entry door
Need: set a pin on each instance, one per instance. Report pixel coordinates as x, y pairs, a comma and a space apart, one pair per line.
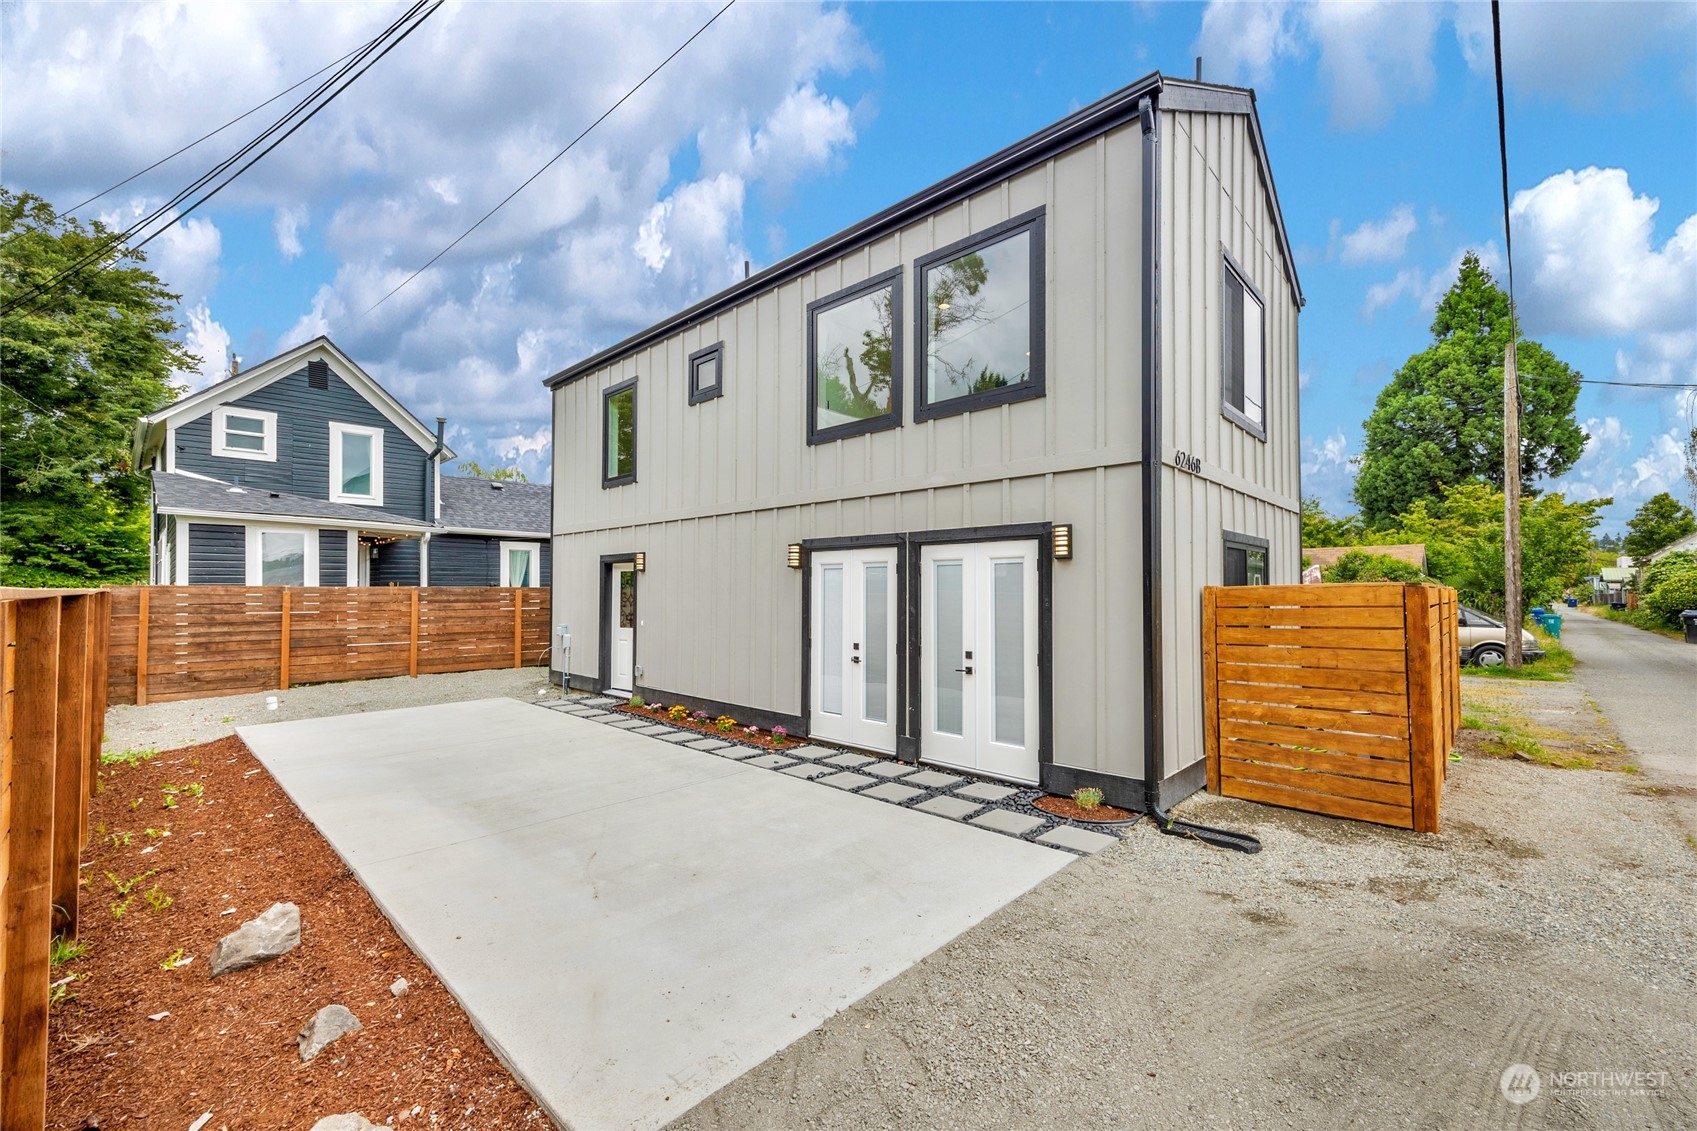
621, 665
853, 697
978, 626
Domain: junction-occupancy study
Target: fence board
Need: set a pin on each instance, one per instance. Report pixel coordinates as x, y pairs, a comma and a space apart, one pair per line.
1383, 683
1258, 692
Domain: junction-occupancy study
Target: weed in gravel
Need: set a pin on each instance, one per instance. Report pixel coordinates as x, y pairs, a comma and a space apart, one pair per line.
65, 950
125, 886
129, 757
157, 899
170, 793
155, 834
120, 839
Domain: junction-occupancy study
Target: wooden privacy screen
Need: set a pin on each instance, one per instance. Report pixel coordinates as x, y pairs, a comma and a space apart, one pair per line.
1337, 699
52, 720
231, 639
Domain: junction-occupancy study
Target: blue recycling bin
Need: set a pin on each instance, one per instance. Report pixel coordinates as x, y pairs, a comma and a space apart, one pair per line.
1573, 602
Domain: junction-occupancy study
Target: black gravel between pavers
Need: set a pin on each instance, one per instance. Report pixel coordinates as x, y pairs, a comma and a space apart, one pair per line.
1018, 802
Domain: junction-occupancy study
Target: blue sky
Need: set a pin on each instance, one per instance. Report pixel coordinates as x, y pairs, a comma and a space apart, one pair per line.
785, 123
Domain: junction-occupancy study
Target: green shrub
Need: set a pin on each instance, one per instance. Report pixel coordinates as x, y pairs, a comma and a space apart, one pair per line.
1675, 591
1358, 565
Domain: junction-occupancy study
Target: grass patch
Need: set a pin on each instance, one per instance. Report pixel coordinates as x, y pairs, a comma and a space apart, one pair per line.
1498, 732
1554, 666
128, 757
1637, 618
65, 950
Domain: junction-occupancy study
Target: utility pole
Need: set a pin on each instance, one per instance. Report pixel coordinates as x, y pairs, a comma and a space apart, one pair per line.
1511, 504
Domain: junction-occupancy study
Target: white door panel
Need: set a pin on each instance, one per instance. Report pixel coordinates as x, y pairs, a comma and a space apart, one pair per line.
622, 615
854, 633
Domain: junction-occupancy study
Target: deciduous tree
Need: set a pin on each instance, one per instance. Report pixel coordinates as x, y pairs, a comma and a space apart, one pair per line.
1661, 521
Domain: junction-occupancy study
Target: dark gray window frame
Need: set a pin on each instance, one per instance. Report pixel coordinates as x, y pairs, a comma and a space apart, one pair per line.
1032, 221
1246, 542
892, 419
697, 392
608, 394
1232, 413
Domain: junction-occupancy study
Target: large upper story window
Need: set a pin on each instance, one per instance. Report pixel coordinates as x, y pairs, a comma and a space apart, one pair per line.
980, 319
356, 464
244, 433
854, 350
618, 435
1243, 349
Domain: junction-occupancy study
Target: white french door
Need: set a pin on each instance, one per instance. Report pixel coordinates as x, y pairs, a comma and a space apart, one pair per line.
621, 616
853, 697
978, 625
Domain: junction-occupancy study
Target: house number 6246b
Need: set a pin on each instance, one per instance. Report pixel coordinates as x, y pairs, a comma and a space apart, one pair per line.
1184, 461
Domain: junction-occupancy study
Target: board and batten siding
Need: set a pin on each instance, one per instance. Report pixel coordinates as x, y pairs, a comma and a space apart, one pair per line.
1213, 197
302, 466
217, 554
724, 486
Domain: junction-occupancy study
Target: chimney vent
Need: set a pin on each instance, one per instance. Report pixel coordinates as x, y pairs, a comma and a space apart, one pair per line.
1199, 68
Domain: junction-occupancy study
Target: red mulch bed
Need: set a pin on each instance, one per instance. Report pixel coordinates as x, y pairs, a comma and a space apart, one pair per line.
1067, 807
739, 732
228, 1046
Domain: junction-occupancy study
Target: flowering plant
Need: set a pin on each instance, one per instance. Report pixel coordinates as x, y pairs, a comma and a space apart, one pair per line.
780, 735
724, 722
678, 713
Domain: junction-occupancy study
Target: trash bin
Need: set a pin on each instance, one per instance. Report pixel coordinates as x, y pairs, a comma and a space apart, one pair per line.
1573, 602
1689, 617
1552, 624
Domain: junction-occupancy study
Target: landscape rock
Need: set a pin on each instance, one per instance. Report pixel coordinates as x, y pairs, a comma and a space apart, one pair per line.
399, 987
326, 1025
347, 1121
269, 936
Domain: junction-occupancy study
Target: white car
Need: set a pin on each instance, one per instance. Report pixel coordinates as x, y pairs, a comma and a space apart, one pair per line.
1484, 643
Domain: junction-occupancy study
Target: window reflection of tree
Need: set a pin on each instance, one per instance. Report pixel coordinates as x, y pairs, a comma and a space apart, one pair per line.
958, 298
860, 391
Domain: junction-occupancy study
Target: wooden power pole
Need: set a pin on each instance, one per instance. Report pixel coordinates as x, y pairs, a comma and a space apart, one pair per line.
1512, 612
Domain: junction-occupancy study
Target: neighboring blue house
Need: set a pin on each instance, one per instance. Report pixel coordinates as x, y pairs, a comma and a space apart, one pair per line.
305, 471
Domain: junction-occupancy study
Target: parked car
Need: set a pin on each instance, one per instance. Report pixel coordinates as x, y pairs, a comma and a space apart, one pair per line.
1484, 643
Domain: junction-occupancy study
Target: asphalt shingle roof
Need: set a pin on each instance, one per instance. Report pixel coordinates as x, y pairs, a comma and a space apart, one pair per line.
181, 492
482, 504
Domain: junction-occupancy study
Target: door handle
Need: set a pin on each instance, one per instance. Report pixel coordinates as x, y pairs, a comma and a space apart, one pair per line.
854, 659
967, 670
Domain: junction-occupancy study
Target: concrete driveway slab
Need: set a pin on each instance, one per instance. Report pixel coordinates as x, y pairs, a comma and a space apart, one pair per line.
632, 924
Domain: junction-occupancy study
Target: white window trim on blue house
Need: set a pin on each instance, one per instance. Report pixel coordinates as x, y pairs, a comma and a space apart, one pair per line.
534, 549
337, 495
255, 550
221, 433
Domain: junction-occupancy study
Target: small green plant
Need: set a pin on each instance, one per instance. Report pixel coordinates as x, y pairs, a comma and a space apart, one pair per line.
1088, 798
725, 723
129, 757
65, 950
124, 886
121, 906
176, 959
155, 834
61, 991
678, 713
228, 719
637, 702
156, 898
172, 792
120, 839
135, 803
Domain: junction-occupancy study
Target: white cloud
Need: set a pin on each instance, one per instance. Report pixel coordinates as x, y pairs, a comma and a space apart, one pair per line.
1377, 241
1245, 40
1614, 465
1373, 57
209, 341
1328, 471
519, 444
288, 225
1427, 290
185, 255
1589, 265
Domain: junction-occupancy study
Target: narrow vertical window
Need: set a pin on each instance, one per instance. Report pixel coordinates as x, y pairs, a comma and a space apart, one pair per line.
1243, 350
356, 464
618, 436
854, 360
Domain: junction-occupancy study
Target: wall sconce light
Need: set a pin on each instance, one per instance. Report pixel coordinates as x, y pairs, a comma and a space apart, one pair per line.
641, 562
795, 555
1062, 542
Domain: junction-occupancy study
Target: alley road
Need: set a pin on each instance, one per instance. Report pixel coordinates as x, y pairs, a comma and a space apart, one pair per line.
1647, 686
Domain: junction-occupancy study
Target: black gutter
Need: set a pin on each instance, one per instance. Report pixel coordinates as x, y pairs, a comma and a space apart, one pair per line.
1154, 676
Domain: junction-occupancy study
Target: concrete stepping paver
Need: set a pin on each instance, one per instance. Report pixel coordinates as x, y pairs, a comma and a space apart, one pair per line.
849, 761
729, 750
1014, 824
808, 752
653, 729
931, 779
951, 807
806, 770
846, 780
676, 735
1070, 836
893, 792
603, 701
888, 769
984, 791
627, 724
769, 761
710, 744
597, 715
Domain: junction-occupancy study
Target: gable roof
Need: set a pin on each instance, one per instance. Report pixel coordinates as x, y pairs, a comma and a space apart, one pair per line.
1689, 542
470, 504
1414, 553
194, 495
1092, 121
150, 430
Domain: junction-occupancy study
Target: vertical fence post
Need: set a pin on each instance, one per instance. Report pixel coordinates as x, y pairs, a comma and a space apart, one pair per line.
70, 800
100, 639
283, 678
412, 639
141, 647
1422, 741
518, 628
1211, 686
32, 661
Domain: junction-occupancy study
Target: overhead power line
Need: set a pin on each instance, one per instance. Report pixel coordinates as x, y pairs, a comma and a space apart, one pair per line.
356, 64
549, 163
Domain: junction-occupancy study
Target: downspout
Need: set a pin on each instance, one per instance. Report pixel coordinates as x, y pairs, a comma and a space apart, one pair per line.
432, 491
1154, 678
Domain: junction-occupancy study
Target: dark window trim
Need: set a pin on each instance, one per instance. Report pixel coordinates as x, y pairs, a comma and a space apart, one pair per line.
1231, 539
891, 419
604, 663
606, 434
923, 409
700, 393
1231, 412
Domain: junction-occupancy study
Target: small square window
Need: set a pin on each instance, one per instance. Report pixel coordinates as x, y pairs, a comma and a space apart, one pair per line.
854, 360
1246, 559
707, 373
282, 556
618, 435
356, 464
244, 433
1243, 349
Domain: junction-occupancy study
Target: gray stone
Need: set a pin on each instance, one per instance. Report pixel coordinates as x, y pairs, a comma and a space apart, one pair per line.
951, 807
347, 1121
1080, 840
399, 987
260, 939
327, 1024
892, 792
888, 769
984, 791
770, 761
847, 780
807, 770
931, 779
1014, 824
849, 761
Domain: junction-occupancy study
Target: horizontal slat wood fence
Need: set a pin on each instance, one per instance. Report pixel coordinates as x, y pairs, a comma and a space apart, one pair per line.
1336, 699
187, 641
52, 720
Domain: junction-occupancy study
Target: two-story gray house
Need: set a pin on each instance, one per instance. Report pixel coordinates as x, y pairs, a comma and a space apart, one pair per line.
948, 485
303, 470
